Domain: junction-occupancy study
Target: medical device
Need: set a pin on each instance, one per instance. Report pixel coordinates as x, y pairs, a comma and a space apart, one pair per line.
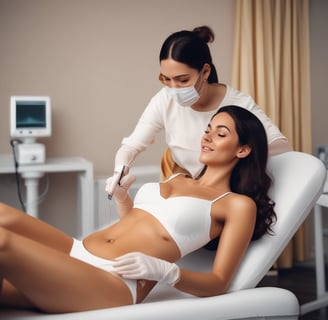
117, 176
30, 118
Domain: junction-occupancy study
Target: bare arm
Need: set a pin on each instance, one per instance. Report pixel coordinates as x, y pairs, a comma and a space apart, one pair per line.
234, 240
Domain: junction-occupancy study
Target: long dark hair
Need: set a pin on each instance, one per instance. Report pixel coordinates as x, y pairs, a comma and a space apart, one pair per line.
249, 176
190, 48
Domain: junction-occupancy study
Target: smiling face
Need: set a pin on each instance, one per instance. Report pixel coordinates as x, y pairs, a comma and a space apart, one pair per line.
220, 143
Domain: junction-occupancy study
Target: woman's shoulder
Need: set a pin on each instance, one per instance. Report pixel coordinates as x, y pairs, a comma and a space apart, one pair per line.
237, 205
158, 107
160, 97
236, 97
240, 199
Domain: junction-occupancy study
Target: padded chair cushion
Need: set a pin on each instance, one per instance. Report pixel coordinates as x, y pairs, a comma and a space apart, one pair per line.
165, 304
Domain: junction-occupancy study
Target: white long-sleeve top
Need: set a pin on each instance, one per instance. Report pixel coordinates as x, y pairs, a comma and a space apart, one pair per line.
184, 128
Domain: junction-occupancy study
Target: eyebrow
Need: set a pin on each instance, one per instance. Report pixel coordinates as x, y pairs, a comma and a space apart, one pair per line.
176, 77
219, 127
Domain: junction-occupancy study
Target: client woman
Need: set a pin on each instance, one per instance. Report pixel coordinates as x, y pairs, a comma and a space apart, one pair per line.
43, 268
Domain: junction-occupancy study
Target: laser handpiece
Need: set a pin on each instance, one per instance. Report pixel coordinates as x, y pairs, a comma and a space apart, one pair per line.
117, 176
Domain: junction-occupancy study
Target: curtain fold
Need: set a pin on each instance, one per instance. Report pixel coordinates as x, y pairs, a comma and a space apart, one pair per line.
272, 63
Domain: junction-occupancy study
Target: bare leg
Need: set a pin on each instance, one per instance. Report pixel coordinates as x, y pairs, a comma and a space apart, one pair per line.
12, 298
55, 282
21, 223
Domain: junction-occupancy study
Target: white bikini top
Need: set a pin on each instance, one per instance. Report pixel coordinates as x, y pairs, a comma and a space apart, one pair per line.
186, 219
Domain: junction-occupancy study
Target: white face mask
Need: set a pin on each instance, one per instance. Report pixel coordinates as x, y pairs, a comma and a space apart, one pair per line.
184, 96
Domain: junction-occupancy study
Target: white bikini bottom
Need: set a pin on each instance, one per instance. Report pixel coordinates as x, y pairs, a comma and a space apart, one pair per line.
78, 251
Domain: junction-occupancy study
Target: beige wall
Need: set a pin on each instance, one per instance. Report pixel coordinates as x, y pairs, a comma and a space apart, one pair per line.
98, 61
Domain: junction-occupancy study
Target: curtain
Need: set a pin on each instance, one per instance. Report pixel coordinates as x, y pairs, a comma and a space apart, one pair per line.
271, 63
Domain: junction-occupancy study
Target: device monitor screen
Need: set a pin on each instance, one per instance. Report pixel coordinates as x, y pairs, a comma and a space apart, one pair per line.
30, 117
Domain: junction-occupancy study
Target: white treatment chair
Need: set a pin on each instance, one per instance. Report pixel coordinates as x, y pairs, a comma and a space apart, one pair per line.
298, 182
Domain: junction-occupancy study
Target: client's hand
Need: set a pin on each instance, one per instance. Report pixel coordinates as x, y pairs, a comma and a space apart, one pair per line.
136, 265
120, 192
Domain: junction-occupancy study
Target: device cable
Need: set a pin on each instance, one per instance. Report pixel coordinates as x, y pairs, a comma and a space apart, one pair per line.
13, 142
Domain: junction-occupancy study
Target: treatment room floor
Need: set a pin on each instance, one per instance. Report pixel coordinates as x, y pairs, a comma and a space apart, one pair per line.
301, 281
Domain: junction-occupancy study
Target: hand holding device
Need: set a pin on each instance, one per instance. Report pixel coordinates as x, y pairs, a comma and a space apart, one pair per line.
136, 265
115, 180
118, 186
123, 158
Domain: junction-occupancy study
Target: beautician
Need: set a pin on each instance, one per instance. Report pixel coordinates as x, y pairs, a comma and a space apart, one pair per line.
190, 96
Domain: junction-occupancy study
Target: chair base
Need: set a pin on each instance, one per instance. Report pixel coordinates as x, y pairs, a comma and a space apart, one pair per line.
316, 304
322, 295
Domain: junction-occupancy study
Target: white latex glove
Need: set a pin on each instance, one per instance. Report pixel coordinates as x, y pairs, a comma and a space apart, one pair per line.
120, 192
136, 265
125, 155
123, 159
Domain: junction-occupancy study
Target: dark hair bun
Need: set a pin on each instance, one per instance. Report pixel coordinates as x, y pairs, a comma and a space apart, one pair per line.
205, 33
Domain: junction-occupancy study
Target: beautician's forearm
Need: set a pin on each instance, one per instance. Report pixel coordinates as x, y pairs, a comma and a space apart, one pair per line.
279, 146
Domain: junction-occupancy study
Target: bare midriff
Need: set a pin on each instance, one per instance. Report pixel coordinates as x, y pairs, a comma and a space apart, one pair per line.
136, 232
